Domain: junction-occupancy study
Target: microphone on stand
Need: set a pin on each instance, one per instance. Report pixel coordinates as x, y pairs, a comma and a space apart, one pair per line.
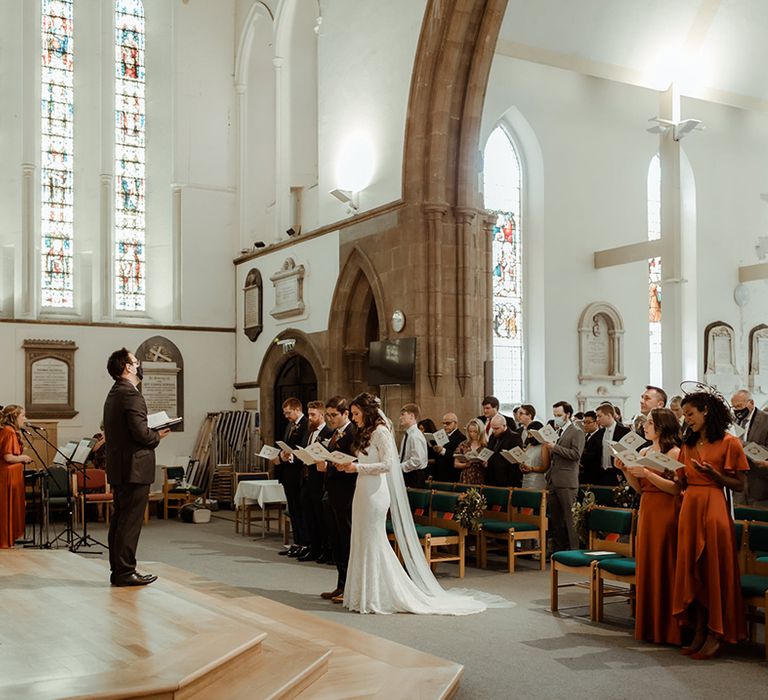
33, 426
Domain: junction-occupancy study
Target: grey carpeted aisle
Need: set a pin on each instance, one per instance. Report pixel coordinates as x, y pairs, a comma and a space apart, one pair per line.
507, 652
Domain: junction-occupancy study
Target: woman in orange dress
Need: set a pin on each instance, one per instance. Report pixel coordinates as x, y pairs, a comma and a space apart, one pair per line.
707, 592
12, 463
656, 543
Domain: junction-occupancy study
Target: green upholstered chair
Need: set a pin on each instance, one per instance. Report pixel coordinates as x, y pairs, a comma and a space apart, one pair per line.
618, 569
175, 493
440, 485
523, 519
433, 515
756, 548
754, 590
750, 513
603, 494
607, 528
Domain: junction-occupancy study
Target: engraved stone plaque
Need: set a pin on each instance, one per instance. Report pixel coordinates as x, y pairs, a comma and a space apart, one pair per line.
289, 290
758, 359
720, 357
50, 378
163, 383
253, 305
601, 350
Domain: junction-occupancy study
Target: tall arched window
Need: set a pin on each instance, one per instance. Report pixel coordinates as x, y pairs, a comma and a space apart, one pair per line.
502, 185
57, 150
654, 272
130, 110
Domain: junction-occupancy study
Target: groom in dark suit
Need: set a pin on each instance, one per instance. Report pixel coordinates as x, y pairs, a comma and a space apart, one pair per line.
130, 465
289, 473
339, 490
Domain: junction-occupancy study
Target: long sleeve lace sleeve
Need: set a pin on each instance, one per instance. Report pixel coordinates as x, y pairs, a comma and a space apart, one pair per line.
382, 447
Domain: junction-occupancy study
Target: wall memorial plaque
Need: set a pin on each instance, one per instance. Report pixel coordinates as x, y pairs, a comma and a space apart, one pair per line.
758, 359
49, 387
720, 357
163, 383
253, 304
601, 349
289, 290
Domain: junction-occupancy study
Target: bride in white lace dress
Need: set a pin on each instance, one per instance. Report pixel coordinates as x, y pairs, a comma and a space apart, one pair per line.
376, 581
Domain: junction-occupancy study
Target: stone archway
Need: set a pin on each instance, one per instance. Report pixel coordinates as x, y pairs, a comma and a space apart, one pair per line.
358, 316
271, 367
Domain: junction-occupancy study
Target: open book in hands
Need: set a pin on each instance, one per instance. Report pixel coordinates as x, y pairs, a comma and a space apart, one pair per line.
757, 453
545, 435
629, 443
269, 452
439, 437
473, 456
514, 456
655, 461
320, 453
299, 452
161, 420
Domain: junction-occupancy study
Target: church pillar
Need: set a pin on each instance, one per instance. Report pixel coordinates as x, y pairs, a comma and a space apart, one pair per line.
435, 214
241, 109
672, 321
282, 148
176, 254
486, 288
29, 280
465, 327
107, 234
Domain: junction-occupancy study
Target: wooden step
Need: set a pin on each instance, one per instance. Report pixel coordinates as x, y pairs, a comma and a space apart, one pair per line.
361, 665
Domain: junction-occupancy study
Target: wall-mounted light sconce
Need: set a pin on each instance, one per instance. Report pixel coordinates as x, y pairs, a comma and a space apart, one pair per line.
346, 197
293, 232
679, 129
258, 244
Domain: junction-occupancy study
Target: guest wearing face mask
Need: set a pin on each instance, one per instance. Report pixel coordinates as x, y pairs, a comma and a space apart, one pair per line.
754, 423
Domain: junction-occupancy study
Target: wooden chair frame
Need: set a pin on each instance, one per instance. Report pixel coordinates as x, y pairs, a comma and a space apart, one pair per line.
626, 549
171, 499
81, 499
754, 603
511, 536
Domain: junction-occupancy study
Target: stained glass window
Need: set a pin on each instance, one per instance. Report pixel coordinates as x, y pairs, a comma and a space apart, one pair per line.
57, 147
502, 178
130, 110
654, 272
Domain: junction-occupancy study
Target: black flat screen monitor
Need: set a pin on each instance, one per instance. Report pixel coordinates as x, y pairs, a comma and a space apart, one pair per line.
392, 362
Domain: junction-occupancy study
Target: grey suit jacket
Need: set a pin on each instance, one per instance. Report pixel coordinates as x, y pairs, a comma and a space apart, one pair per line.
757, 479
566, 454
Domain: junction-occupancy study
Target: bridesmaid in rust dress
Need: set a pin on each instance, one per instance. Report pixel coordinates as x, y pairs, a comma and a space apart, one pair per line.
656, 544
12, 462
472, 472
707, 592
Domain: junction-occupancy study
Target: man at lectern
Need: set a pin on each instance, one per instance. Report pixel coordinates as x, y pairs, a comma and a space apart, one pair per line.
130, 465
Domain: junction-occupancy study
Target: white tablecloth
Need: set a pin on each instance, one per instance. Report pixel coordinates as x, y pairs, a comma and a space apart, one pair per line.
261, 492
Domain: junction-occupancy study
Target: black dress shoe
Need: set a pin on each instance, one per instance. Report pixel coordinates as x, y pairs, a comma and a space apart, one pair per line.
133, 579
322, 558
287, 551
298, 552
309, 556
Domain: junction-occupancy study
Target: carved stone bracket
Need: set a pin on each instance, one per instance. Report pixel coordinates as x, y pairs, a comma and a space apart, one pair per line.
601, 344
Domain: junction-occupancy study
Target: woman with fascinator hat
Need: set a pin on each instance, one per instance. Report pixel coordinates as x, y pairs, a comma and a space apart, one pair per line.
376, 581
707, 590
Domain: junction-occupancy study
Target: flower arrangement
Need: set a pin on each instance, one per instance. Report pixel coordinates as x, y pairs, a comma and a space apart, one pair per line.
624, 495
579, 511
470, 509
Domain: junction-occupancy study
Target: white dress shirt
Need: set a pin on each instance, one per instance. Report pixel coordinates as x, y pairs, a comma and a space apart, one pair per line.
415, 454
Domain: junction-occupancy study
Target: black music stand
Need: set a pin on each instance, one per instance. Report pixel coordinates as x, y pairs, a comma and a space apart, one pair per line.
37, 475
74, 543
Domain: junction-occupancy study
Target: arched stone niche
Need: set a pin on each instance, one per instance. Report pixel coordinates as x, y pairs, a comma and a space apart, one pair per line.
601, 344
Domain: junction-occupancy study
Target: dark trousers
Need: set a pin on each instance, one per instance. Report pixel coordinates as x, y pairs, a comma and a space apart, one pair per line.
610, 477
415, 479
130, 502
563, 532
341, 533
290, 478
312, 512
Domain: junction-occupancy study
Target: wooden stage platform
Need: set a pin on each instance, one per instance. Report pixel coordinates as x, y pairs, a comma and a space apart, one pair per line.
66, 633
